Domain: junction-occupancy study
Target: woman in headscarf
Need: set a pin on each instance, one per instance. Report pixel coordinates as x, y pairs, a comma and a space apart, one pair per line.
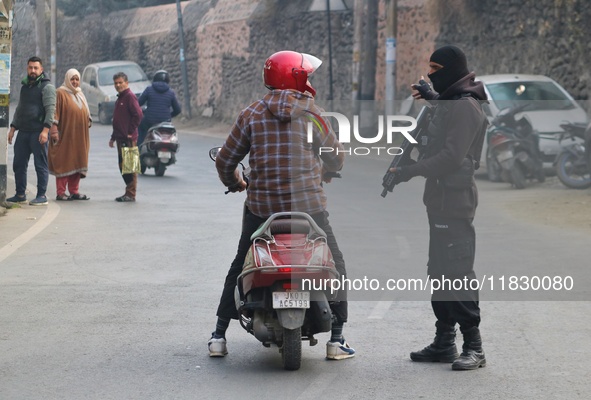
70, 139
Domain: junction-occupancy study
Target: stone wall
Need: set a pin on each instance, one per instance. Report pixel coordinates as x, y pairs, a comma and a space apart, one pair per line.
547, 37
227, 41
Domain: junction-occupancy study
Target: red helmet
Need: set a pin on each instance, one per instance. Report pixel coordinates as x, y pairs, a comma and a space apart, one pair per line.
290, 70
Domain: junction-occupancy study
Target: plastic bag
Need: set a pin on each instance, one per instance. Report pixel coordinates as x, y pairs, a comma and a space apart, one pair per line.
130, 163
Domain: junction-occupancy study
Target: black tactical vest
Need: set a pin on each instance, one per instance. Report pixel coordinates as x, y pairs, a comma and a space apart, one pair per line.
31, 111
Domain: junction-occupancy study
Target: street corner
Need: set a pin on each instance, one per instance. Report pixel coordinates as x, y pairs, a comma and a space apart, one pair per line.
16, 219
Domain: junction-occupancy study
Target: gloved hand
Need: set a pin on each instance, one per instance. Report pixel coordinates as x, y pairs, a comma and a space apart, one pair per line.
424, 90
401, 174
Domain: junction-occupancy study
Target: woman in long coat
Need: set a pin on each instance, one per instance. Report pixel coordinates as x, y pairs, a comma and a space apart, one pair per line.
70, 139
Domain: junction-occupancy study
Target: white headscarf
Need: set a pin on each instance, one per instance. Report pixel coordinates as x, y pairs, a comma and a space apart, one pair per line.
76, 93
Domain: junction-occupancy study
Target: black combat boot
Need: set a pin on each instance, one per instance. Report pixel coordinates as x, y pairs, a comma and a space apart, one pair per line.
443, 348
472, 356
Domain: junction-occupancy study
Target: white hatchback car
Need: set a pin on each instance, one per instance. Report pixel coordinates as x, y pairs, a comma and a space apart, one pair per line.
97, 84
550, 106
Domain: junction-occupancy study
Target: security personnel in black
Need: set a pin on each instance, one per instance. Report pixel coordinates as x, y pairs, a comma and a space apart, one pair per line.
455, 139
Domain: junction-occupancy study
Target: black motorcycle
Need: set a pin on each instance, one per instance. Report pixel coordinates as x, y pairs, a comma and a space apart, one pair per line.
573, 166
513, 149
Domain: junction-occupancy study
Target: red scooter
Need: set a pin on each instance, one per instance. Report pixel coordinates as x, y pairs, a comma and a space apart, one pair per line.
283, 292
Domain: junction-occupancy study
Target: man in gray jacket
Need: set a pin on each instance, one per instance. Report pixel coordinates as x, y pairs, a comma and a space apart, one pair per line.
33, 118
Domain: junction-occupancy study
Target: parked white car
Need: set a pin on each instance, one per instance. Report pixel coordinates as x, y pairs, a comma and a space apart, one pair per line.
97, 85
550, 106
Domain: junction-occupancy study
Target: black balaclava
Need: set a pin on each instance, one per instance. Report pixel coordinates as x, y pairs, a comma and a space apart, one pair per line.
454, 68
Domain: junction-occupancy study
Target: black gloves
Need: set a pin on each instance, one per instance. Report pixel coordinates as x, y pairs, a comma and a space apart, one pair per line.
425, 90
401, 176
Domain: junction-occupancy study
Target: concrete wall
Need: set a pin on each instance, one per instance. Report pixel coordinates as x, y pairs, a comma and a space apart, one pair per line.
227, 41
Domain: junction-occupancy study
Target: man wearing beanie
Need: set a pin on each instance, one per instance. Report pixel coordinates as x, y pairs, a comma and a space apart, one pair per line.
455, 139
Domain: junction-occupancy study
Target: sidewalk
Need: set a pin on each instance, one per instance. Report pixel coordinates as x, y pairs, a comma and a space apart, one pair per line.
16, 221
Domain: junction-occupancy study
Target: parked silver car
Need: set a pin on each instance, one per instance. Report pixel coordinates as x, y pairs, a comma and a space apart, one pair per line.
551, 105
97, 85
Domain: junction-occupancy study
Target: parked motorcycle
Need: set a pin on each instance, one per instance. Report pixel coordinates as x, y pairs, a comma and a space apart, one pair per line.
573, 166
513, 151
282, 295
159, 148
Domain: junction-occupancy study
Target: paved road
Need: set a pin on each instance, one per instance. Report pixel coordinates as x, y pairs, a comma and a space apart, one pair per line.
102, 300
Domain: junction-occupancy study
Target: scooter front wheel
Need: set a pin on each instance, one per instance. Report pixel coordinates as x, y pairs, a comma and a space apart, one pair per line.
292, 349
570, 173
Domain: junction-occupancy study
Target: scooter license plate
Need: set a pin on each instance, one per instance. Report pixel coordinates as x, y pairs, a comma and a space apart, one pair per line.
504, 155
291, 300
165, 154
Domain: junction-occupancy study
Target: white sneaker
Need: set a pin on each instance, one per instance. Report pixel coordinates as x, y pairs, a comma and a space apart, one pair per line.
339, 350
217, 347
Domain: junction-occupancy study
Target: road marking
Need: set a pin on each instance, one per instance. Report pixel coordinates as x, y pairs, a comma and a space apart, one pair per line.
380, 310
47, 218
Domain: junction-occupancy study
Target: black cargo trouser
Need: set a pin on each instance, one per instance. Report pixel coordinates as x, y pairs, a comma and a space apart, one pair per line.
250, 223
452, 246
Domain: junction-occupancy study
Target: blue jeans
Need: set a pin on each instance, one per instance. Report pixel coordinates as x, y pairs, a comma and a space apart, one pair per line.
27, 143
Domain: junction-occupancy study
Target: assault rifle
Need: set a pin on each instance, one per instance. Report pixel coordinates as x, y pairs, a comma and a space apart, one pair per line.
420, 135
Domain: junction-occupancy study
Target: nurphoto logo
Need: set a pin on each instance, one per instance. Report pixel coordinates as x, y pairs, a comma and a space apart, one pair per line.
385, 126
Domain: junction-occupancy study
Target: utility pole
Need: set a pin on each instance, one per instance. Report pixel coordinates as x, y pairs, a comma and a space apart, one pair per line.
6, 7
357, 38
368, 71
367, 107
391, 31
330, 95
53, 20
40, 30
186, 94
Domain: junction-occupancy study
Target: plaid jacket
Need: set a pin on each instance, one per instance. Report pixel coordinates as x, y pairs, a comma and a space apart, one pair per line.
286, 170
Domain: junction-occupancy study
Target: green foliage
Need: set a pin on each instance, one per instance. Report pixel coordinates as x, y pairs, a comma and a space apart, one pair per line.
82, 8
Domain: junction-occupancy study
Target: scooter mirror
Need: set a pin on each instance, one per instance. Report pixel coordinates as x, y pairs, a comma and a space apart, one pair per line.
213, 153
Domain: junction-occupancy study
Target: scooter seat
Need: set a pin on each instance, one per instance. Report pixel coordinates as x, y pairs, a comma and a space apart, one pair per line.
279, 226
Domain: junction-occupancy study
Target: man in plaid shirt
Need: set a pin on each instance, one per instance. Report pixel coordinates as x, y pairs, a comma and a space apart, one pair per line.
286, 174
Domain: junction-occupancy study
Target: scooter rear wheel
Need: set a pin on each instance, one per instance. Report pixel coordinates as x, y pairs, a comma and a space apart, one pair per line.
292, 349
160, 169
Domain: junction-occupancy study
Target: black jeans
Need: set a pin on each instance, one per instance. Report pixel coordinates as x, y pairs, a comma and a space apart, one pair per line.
129, 179
27, 143
452, 247
250, 223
